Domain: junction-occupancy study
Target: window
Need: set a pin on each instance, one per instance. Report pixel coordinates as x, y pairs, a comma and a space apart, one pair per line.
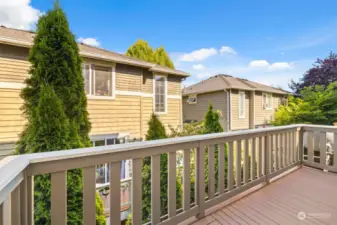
267, 101
98, 80
241, 104
160, 90
192, 99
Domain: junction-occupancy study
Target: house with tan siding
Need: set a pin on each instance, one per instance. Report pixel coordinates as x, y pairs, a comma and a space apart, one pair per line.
122, 92
242, 104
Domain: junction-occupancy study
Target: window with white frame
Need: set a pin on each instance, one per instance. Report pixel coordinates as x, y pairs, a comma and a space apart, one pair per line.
192, 99
241, 104
160, 91
267, 101
98, 80
102, 170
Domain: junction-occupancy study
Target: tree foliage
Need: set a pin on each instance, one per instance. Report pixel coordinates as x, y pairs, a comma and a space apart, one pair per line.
323, 73
212, 124
162, 58
318, 105
55, 106
143, 51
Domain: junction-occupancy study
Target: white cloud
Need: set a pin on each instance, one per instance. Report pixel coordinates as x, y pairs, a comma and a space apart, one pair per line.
280, 66
198, 67
18, 14
272, 67
227, 49
89, 41
198, 55
258, 63
204, 75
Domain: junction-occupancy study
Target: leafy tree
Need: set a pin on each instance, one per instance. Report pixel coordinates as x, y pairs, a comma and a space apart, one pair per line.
141, 50
156, 131
324, 72
318, 105
162, 58
212, 124
56, 110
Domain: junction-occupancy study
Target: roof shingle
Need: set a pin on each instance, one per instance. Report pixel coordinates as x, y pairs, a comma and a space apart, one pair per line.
221, 82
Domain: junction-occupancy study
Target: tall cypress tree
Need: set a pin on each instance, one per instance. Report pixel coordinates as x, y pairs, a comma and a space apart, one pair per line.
141, 50
162, 58
55, 106
156, 131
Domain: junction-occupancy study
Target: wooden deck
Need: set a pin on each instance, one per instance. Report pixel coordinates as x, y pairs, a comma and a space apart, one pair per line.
306, 190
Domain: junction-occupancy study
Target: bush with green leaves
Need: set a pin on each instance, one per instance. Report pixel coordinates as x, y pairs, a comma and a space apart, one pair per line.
55, 106
317, 105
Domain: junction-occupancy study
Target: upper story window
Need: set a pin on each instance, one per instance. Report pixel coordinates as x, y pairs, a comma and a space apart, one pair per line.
160, 94
99, 81
192, 99
267, 101
242, 104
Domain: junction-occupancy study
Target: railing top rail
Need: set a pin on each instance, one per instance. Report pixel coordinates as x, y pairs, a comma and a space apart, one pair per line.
12, 166
77, 153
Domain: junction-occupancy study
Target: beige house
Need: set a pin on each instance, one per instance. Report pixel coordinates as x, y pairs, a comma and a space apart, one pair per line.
122, 91
242, 104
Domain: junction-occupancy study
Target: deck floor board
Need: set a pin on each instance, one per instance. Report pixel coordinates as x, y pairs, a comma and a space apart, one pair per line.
305, 190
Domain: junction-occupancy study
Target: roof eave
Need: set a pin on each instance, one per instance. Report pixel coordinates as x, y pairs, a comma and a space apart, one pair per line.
150, 66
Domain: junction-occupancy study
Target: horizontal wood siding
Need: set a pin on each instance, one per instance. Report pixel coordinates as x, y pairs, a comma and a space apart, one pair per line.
197, 111
6, 149
147, 111
120, 115
173, 114
171, 118
147, 85
128, 78
116, 116
263, 116
174, 85
239, 123
11, 119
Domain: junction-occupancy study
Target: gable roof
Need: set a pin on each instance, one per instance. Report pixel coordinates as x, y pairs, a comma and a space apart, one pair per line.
24, 38
222, 81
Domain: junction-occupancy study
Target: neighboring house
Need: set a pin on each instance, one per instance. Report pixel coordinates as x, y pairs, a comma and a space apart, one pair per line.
122, 92
242, 104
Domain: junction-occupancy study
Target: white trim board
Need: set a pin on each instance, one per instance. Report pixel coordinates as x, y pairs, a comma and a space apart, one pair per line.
12, 85
134, 93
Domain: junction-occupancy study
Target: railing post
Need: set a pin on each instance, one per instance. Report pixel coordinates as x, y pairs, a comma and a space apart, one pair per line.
200, 180
30, 200
267, 156
300, 134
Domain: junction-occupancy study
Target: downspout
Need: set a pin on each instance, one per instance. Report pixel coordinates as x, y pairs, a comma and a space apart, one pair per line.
228, 111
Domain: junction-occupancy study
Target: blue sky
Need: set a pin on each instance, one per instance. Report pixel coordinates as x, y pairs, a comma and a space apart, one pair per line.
265, 41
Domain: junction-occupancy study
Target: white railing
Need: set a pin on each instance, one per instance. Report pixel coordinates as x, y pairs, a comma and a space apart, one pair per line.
266, 153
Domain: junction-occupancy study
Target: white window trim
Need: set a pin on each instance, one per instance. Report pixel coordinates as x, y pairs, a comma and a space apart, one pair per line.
154, 94
244, 110
271, 102
92, 76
